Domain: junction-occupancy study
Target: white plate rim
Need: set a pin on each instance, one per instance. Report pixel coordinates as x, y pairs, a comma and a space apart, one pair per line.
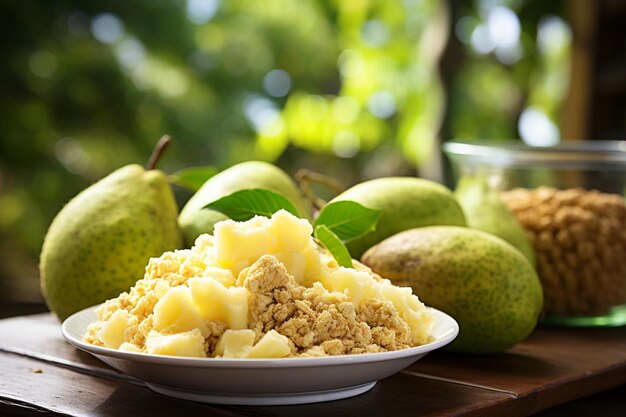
449, 334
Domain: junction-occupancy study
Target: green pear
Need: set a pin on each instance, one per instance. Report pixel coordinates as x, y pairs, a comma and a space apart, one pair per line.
485, 211
405, 203
482, 281
195, 220
99, 244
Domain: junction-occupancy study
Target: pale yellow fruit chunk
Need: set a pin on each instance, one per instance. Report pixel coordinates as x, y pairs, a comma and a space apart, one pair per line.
113, 332
236, 242
176, 313
240, 244
189, 343
224, 276
235, 343
291, 233
271, 345
312, 267
216, 302
357, 285
129, 347
411, 309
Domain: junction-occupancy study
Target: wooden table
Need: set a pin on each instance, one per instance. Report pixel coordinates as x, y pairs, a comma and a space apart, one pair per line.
40, 374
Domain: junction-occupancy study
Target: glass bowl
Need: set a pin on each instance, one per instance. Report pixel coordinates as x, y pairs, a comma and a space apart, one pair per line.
570, 200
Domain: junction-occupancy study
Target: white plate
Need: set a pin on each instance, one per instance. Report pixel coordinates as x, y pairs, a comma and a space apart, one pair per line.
259, 381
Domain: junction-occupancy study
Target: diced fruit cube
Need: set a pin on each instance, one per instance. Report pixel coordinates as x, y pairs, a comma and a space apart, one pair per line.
113, 331
357, 285
271, 345
216, 302
176, 313
313, 266
292, 234
129, 347
189, 343
224, 276
235, 242
235, 343
239, 245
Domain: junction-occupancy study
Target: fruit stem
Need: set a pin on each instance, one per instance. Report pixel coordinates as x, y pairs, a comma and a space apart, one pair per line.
306, 177
160, 147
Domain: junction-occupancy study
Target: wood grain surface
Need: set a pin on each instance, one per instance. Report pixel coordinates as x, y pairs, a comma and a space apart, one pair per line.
41, 374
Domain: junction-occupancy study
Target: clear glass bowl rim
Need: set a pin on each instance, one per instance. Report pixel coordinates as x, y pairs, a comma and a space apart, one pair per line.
581, 153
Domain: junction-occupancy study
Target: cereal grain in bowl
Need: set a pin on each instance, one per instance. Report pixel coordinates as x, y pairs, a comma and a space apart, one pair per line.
579, 237
260, 289
570, 198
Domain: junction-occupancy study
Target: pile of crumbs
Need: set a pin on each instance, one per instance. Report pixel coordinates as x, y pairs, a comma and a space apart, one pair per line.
287, 297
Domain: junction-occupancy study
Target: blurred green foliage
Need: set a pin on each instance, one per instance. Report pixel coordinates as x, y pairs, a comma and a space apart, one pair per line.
514, 74
348, 87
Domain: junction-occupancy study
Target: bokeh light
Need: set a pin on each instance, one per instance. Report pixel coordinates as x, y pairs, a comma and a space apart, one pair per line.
503, 26
345, 109
107, 28
130, 53
382, 104
346, 144
277, 83
201, 11
42, 64
375, 33
481, 40
71, 154
464, 28
261, 112
536, 129
553, 35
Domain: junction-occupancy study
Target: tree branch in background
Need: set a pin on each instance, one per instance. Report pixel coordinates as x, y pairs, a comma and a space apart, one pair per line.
306, 177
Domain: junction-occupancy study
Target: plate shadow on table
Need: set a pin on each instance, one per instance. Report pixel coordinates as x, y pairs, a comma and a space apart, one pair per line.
124, 401
398, 395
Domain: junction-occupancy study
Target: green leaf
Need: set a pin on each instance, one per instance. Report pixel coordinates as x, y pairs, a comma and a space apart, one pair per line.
348, 219
193, 178
245, 204
334, 245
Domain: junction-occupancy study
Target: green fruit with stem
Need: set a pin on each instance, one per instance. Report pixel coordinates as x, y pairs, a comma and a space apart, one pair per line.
98, 245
